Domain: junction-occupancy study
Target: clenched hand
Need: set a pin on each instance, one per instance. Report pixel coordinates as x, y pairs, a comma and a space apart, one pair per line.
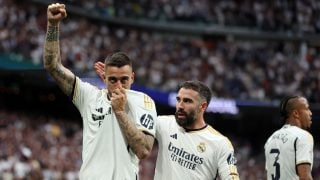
55, 13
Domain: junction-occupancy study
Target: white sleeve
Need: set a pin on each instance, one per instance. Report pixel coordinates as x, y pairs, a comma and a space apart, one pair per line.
145, 114
160, 122
227, 162
82, 93
304, 148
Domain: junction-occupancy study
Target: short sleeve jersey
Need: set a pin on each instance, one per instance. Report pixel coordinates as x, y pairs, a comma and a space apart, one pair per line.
285, 149
106, 154
201, 154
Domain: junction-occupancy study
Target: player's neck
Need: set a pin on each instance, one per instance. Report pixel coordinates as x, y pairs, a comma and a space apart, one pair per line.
294, 122
195, 129
198, 125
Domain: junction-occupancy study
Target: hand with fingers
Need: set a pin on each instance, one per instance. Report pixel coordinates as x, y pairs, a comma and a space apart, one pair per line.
55, 13
118, 100
99, 68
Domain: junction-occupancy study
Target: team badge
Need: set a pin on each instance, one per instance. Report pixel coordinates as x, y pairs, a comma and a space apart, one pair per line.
146, 120
201, 147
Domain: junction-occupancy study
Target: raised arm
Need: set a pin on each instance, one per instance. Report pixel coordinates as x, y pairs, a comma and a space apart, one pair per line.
52, 59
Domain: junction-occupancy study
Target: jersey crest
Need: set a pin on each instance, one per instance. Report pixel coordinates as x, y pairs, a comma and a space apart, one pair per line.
201, 147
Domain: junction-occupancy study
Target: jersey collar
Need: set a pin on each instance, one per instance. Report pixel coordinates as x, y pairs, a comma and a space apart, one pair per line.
191, 130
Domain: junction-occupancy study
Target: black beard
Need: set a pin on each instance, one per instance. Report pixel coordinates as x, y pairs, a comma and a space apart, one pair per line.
189, 119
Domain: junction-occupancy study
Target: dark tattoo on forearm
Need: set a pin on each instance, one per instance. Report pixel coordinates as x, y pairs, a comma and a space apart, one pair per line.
48, 59
52, 33
64, 81
135, 137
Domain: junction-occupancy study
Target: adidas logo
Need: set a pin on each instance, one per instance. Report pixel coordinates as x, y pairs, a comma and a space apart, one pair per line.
174, 136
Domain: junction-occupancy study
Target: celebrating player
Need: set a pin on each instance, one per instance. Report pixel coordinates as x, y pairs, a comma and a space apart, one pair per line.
118, 123
188, 147
289, 150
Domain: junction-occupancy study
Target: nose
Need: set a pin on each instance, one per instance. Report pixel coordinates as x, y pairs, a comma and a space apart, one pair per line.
179, 105
117, 84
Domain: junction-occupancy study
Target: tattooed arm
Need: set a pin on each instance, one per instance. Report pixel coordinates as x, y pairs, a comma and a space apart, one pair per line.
140, 143
52, 59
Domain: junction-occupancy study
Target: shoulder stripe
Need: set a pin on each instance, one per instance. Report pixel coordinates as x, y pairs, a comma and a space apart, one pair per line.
213, 131
148, 102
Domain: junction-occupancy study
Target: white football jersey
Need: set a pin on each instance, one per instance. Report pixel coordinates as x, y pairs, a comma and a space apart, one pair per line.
106, 154
285, 149
200, 154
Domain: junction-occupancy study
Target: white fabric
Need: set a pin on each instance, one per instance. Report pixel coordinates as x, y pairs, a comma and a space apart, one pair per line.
286, 148
201, 154
105, 152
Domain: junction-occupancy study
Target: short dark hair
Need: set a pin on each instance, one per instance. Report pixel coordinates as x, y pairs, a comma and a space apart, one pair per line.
199, 87
286, 105
118, 59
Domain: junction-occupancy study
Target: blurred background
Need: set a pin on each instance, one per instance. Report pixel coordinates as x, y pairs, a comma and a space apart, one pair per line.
251, 53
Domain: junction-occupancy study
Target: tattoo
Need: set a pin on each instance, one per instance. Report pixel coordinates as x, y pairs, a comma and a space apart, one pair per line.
48, 59
64, 81
52, 33
137, 140
52, 61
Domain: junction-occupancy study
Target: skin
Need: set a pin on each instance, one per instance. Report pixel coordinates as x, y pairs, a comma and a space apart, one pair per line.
140, 143
300, 116
190, 108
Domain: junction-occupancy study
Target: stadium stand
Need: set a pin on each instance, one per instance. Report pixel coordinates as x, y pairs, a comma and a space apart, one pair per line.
41, 146
242, 69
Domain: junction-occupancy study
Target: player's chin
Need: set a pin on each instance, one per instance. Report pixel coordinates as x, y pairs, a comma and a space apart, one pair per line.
181, 122
180, 119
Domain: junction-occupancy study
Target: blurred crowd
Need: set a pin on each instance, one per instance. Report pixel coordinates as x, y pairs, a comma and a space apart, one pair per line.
38, 147
35, 146
243, 69
300, 16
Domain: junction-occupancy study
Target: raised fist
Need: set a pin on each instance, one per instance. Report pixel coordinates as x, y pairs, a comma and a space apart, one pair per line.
55, 13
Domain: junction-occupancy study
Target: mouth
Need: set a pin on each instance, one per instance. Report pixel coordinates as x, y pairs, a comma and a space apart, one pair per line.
180, 115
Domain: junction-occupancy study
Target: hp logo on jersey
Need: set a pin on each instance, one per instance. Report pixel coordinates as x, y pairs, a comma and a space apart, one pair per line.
231, 159
146, 120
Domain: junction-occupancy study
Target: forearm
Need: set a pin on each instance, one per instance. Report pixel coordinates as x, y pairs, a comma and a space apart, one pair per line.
52, 60
304, 172
51, 48
140, 143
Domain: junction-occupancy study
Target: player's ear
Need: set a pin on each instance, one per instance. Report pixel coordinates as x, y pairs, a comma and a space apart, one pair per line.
203, 106
295, 113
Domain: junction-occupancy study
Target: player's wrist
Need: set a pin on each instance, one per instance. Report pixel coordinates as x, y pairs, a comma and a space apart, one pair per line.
120, 113
53, 24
